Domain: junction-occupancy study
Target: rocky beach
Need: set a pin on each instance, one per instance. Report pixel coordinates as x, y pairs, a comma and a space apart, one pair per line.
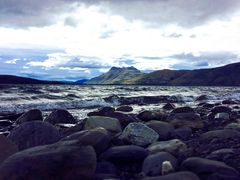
174, 140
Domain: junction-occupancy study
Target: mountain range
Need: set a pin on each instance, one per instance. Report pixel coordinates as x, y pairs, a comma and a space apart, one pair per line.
228, 75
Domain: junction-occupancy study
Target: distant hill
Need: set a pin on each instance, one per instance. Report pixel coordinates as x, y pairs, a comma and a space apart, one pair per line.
125, 75
9, 79
228, 75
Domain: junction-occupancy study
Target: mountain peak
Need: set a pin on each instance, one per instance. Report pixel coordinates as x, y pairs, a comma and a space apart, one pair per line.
114, 68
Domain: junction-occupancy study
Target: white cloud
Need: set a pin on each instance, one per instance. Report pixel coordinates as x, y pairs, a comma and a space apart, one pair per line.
13, 61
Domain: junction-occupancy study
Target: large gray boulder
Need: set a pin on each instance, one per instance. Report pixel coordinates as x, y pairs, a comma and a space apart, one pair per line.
60, 161
34, 133
139, 134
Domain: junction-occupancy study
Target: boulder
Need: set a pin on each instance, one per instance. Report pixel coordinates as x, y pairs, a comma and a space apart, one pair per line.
205, 167
139, 134
152, 115
60, 116
192, 120
182, 175
5, 123
63, 160
173, 146
152, 164
101, 111
34, 133
127, 153
110, 124
229, 101
164, 129
185, 109
32, 115
182, 133
202, 98
220, 134
224, 116
125, 108
221, 109
233, 126
7, 148
98, 138
169, 106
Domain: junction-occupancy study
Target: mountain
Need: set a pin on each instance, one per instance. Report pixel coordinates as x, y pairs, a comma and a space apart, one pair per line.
116, 75
9, 79
228, 75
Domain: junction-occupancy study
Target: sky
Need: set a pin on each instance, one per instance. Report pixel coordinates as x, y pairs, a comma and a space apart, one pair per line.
78, 39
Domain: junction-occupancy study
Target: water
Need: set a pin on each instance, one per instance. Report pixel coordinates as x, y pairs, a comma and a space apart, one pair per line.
82, 99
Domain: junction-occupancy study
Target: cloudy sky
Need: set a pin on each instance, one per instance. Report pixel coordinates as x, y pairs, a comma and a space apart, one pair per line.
76, 39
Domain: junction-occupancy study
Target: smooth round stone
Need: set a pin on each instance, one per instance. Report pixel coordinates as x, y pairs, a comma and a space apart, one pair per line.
139, 134
151, 115
163, 129
127, 153
152, 164
60, 116
34, 133
182, 133
182, 175
205, 167
63, 160
173, 146
7, 148
220, 134
32, 115
110, 124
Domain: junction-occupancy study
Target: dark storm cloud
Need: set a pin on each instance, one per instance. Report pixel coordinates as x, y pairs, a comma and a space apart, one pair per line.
188, 13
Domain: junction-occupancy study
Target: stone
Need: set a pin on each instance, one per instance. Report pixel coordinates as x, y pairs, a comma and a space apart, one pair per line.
221, 109
106, 167
126, 153
32, 115
192, 120
233, 126
164, 129
182, 133
139, 134
62, 160
60, 116
229, 101
125, 108
34, 133
202, 98
98, 138
110, 124
7, 148
222, 115
169, 106
173, 146
205, 167
220, 134
182, 175
101, 111
151, 115
152, 164
5, 123
185, 109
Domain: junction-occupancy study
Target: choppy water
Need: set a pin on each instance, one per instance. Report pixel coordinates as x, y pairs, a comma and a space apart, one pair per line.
82, 99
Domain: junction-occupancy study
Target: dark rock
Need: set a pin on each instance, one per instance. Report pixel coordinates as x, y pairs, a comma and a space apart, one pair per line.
182, 175
185, 109
169, 106
192, 120
152, 115
34, 133
60, 116
152, 164
208, 105
233, 126
125, 108
32, 115
219, 134
163, 129
229, 102
182, 133
222, 115
7, 148
63, 160
102, 111
139, 134
205, 167
76, 128
221, 109
202, 98
173, 146
124, 119
128, 153
12, 117
5, 123
106, 167
98, 138
110, 124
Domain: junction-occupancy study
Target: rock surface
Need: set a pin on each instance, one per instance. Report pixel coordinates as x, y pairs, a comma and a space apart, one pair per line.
31, 115
60, 116
183, 175
7, 148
